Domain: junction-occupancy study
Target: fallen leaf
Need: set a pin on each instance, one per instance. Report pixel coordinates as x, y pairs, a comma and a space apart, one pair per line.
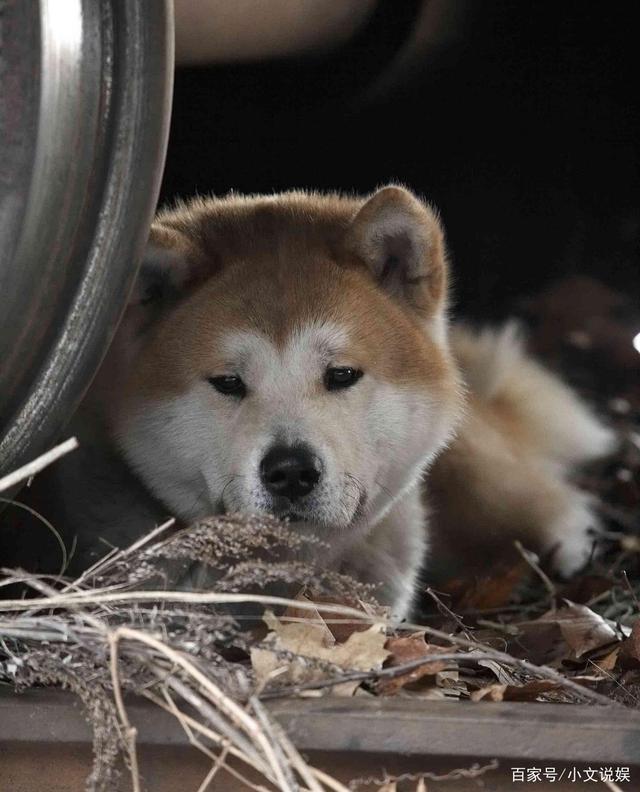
338, 626
582, 629
630, 648
406, 649
484, 593
573, 627
489, 693
295, 614
362, 651
449, 682
530, 691
609, 661
503, 675
540, 642
584, 588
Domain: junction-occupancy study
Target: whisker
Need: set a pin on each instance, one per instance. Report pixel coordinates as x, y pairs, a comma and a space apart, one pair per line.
386, 491
198, 497
230, 481
360, 493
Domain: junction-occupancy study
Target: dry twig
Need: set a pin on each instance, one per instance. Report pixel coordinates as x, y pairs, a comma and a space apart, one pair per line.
43, 461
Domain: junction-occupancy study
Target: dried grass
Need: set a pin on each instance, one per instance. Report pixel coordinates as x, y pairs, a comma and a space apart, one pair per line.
124, 627
116, 631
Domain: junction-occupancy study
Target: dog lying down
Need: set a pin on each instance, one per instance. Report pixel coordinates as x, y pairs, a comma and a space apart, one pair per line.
291, 354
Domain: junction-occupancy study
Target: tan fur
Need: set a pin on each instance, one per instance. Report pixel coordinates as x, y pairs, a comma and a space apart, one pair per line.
506, 476
253, 296
272, 263
270, 272
283, 287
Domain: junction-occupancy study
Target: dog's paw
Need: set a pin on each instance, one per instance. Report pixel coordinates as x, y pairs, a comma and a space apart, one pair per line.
573, 536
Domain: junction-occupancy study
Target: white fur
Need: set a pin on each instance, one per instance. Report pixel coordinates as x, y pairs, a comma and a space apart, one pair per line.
572, 535
201, 451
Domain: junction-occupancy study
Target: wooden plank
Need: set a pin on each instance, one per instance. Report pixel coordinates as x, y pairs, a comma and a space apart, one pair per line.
567, 733
571, 733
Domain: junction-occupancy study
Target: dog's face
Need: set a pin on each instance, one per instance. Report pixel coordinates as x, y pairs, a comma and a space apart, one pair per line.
303, 371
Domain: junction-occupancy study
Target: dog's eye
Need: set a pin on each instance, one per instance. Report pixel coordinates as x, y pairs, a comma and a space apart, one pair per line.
336, 378
229, 385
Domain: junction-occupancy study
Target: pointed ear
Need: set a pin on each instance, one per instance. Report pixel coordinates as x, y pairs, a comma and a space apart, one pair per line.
170, 265
401, 241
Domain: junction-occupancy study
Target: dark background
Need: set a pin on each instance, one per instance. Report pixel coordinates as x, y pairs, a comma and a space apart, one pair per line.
523, 130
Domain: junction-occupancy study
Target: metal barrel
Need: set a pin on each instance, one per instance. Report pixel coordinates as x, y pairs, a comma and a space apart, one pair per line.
85, 100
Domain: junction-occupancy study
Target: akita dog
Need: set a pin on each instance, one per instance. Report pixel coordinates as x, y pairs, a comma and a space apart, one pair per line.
291, 355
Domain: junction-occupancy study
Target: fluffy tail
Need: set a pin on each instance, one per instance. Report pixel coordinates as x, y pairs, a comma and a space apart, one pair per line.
545, 411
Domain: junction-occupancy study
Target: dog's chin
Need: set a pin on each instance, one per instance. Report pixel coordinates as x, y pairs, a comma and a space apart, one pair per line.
283, 512
322, 521
290, 514
297, 514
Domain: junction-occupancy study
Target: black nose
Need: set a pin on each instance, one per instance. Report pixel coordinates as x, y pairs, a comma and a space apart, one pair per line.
290, 471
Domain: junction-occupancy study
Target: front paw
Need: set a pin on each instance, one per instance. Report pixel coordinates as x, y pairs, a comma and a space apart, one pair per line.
573, 537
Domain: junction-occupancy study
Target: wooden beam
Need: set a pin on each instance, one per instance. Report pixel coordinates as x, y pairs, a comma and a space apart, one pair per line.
391, 726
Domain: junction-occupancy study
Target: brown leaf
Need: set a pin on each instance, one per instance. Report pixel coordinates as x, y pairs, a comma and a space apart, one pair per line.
630, 649
449, 681
530, 691
489, 693
584, 588
294, 615
340, 627
487, 592
362, 651
541, 642
609, 661
581, 628
406, 649
503, 675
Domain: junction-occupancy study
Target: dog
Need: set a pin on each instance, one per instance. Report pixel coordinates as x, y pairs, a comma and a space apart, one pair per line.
291, 355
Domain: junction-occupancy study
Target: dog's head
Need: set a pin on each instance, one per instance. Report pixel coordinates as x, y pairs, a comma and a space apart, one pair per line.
288, 355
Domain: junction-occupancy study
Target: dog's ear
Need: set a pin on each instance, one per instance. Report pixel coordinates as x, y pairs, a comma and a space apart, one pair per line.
401, 241
169, 267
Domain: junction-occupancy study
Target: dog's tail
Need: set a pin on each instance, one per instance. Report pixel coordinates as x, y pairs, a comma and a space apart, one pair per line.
554, 420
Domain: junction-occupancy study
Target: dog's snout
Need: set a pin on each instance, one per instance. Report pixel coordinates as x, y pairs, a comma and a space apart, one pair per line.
290, 471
